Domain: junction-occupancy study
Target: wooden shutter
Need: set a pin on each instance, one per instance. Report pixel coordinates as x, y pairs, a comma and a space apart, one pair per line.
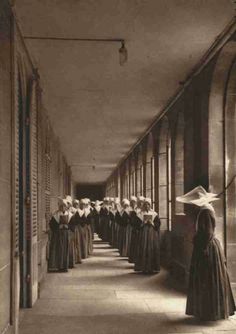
47, 175
33, 177
16, 167
34, 159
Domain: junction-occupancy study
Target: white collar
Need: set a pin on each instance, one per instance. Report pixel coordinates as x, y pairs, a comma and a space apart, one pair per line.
87, 212
58, 213
80, 212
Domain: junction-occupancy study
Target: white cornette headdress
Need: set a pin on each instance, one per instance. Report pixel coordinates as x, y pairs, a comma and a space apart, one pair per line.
141, 198
133, 198
62, 201
125, 201
198, 196
83, 201
69, 199
148, 200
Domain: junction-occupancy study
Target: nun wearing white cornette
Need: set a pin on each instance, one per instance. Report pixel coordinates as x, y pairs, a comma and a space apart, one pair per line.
96, 215
105, 220
80, 222
112, 212
148, 255
136, 221
209, 294
77, 233
59, 238
116, 226
88, 229
124, 221
133, 221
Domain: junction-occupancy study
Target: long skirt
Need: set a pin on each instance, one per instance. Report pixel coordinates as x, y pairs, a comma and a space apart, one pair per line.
209, 295
129, 234
117, 235
78, 244
72, 249
89, 238
148, 253
123, 240
113, 233
133, 245
84, 241
63, 250
53, 251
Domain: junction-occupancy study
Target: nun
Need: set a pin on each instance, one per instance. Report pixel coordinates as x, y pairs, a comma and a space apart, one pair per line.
136, 222
124, 222
111, 220
80, 230
209, 294
96, 215
133, 207
59, 238
112, 213
77, 233
88, 223
148, 253
104, 219
116, 222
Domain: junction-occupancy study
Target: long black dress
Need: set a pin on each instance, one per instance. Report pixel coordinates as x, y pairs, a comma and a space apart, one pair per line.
59, 242
209, 295
124, 222
147, 258
136, 225
104, 223
96, 218
112, 214
88, 230
80, 235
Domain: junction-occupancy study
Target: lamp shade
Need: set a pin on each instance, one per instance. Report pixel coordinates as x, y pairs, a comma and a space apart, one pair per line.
123, 54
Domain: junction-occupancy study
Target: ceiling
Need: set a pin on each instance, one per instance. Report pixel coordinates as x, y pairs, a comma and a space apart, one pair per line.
98, 108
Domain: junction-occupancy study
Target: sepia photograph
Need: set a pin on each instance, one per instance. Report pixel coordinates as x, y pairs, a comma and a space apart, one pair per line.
118, 166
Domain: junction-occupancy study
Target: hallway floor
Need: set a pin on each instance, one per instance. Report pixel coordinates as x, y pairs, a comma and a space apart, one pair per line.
105, 296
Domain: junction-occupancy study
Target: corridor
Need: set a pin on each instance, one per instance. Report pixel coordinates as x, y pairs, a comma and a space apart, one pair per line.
105, 295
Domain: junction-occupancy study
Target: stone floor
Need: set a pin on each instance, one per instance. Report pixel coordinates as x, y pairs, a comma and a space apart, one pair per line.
104, 295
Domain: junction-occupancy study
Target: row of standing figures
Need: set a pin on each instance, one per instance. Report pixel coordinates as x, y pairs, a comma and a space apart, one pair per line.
134, 229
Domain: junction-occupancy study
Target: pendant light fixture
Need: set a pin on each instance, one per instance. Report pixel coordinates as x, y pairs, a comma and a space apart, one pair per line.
123, 52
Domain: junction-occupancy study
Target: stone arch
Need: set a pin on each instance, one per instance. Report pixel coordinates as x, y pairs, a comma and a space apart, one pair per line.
222, 145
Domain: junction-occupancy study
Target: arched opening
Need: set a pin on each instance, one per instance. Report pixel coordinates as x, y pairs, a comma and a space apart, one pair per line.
164, 179
222, 155
150, 175
179, 161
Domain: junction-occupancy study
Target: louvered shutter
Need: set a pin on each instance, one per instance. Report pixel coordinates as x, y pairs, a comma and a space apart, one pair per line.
47, 175
34, 159
33, 177
16, 166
